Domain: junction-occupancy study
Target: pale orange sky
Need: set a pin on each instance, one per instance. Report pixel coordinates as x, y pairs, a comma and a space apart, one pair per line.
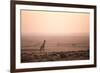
54, 23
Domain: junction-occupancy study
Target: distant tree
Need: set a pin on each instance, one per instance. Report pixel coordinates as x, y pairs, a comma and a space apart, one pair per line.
73, 45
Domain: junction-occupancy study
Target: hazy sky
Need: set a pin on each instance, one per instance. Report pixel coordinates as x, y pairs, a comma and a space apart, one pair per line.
54, 23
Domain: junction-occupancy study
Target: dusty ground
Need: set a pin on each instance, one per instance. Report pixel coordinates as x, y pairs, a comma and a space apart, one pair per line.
37, 56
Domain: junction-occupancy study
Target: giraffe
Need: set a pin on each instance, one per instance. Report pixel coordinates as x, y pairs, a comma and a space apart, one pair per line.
42, 47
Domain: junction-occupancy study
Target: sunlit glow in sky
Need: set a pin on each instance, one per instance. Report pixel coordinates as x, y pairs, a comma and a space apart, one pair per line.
54, 23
